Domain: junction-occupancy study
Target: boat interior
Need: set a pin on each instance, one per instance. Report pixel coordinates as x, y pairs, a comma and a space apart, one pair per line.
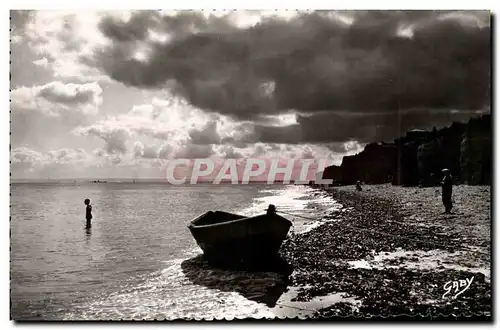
211, 218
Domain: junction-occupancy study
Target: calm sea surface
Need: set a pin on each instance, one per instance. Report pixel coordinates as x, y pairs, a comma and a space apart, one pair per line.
130, 263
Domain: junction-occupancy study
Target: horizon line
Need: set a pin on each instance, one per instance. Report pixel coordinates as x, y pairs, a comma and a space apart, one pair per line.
132, 179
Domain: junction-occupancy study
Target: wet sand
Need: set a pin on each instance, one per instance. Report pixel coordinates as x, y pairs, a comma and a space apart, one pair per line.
390, 252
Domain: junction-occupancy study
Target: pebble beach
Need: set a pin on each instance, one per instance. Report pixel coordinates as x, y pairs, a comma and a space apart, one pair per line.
391, 252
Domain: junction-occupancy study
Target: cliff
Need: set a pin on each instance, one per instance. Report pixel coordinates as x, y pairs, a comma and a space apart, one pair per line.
476, 152
418, 157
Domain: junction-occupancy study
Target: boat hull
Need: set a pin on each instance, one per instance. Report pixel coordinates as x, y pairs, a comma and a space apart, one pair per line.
251, 240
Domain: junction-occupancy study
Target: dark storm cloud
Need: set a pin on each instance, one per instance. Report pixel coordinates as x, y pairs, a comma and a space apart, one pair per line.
317, 63
135, 29
206, 135
327, 127
337, 147
229, 152
70, 94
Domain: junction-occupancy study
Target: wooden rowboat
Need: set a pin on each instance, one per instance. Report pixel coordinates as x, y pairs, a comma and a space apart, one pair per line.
228, 237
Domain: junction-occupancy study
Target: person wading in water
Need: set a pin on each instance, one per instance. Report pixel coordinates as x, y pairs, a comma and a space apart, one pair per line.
447, 189
88, 213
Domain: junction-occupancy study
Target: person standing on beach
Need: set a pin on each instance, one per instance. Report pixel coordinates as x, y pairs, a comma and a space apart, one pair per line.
447, 189
88, 213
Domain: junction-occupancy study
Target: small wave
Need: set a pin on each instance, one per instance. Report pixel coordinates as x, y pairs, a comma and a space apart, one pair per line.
421, 260
189, 289
301, 200
170, 294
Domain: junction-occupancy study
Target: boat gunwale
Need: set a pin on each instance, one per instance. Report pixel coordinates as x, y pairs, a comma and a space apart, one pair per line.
193, 225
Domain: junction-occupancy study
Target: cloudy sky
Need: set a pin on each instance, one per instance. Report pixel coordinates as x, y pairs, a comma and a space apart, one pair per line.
118, 94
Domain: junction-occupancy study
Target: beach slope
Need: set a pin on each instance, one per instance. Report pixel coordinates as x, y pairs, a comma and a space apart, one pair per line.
391, 252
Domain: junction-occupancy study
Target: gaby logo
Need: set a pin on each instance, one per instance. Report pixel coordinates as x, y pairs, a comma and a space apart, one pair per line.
457, 287
182, 171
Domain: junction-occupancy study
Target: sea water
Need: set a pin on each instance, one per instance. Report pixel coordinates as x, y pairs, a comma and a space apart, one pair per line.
138, 259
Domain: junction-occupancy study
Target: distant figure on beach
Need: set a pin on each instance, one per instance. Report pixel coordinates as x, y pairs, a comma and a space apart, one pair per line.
88, 213
447, 185
358, 186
